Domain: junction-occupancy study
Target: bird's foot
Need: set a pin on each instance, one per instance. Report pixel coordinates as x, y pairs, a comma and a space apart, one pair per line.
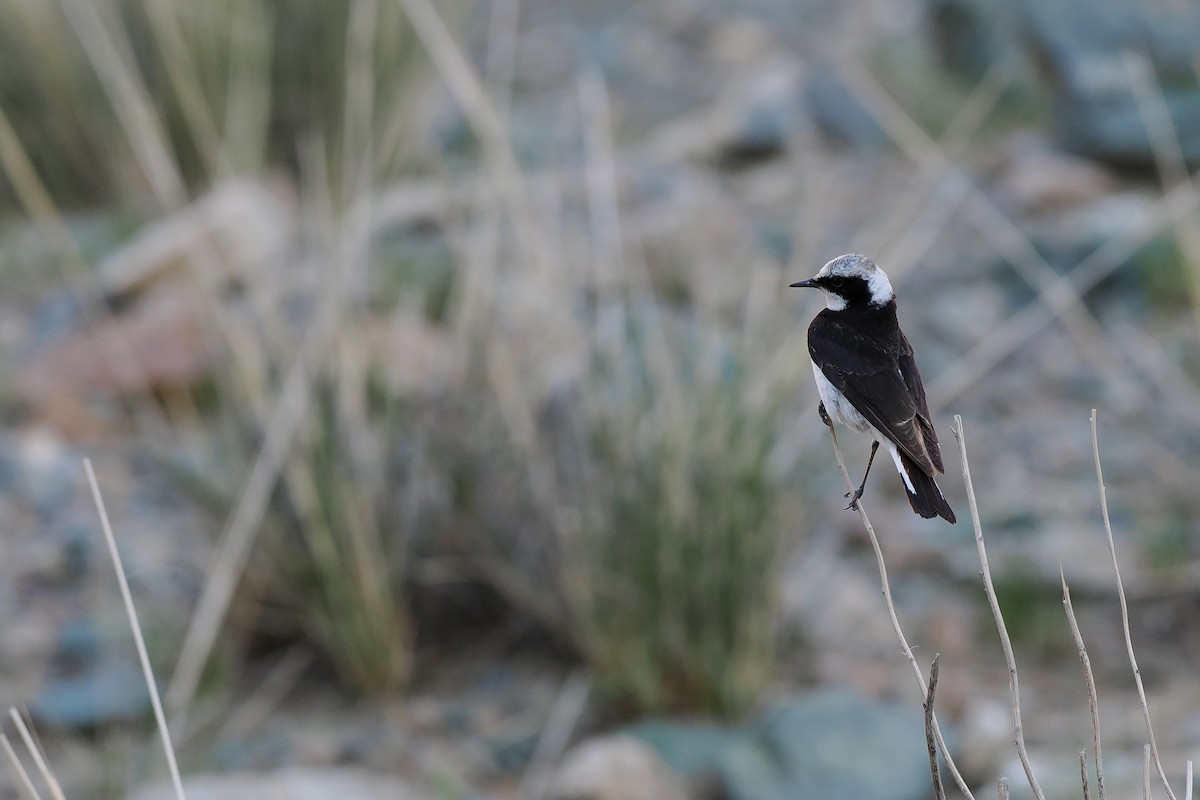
854, 496
824, 415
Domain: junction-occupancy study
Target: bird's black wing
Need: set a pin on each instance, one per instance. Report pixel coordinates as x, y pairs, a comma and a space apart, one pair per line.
867, 364
912, 379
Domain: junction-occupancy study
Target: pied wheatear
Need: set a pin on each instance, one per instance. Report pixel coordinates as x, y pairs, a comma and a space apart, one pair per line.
868, 379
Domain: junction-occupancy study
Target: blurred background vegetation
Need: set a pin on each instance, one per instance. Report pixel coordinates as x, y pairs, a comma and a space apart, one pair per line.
416, 335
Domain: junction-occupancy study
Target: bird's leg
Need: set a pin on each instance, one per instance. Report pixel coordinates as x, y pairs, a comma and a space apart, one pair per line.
859, 492
824, 415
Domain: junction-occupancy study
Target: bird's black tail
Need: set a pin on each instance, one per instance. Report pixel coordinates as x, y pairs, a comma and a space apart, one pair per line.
925, 498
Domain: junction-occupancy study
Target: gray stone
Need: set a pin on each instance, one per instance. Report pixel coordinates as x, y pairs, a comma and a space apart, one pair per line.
112, 691
615, 768
294, 783
1079, 48
832, 743
689, 748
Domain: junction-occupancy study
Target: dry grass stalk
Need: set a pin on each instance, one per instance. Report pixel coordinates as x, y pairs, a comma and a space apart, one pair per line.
939, 792
1187, 789
1112, 551
1089, 678
891, 608
1009, 659
19, 768
39, 758
1002, 789
1083, 773
147, 672
1146, 793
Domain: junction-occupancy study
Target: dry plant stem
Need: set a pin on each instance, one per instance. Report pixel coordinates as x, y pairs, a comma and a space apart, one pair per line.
939, 793
51, 782
1187, 789
1093, 701
19, 768
1146, 795
1002, 789
891, 608
1112, 551
1083, 773
1001, 628
147, 672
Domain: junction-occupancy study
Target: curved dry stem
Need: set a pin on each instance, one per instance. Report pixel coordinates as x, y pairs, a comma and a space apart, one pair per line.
1112, 551
939, 792
18, 768
1093, 698
1001, 628
891, 608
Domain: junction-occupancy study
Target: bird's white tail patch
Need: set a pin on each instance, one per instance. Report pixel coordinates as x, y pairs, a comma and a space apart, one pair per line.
908, 484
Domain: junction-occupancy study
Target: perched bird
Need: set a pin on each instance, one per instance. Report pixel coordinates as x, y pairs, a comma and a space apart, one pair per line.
868, 380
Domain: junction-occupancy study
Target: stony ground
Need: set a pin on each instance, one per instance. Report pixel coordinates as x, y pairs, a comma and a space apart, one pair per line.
739, 121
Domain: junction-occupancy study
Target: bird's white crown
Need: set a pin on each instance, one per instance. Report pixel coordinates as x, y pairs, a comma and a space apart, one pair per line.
856, 265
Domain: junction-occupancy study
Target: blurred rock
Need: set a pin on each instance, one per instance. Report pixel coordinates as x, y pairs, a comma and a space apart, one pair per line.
416, 357
41, 468
242, 223
1031, 177
832, 743
839, 115
1088, 53
986, 741
107, 692
294, 783
615, 768
755, 120
159, 344
1083, 46
689, 748
966, 35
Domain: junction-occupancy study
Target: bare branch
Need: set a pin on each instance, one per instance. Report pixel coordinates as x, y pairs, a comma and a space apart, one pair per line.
1002, 789
1083, 773
891, 608
1093, 699
938, 792
1137, 675
990, 590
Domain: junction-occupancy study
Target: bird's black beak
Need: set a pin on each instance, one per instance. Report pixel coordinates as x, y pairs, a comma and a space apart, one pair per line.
811, 283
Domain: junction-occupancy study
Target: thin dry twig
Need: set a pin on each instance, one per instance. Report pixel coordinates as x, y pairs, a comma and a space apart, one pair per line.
19, 768
891, 608
147, 671
40, 760
1001, 628
1093, 698
1002, 789
1083, 773
1112, 551
930, 742
1146, 794
1187, 791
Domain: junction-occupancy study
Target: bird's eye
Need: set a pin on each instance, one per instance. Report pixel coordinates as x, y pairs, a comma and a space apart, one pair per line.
837, 281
